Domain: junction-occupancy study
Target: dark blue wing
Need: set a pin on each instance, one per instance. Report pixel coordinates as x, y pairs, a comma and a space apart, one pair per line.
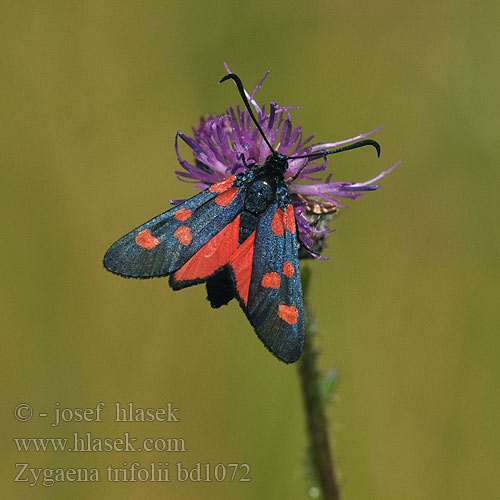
164, 244
273, 300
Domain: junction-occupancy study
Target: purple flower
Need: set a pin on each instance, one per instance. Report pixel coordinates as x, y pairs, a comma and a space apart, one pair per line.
230, 143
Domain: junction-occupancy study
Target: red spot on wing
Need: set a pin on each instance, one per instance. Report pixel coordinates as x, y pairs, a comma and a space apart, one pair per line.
146, 240
290, 219
290, 314
288, 269
271, 280
225, 198
241, 262
278, 223
183, 214
222, 185
184, 235
213, 255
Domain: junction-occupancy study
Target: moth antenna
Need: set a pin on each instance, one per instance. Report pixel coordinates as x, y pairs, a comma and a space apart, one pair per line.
359, 144
241, 90
324, 154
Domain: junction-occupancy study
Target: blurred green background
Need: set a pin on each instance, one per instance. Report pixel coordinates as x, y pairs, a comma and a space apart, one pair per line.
92, 95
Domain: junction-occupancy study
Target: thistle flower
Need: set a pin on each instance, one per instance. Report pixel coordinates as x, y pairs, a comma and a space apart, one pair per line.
230, 143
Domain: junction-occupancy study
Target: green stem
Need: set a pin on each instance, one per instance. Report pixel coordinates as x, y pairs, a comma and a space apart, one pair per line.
317, 423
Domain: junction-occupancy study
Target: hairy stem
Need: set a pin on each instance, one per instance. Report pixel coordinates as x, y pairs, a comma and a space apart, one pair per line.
316, 421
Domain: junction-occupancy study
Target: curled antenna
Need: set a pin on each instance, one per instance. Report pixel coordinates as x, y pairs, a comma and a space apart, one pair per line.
322, 154
241, 90
359, 144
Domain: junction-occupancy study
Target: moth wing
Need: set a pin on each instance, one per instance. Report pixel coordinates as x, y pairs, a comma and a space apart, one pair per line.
266, 273
165, 243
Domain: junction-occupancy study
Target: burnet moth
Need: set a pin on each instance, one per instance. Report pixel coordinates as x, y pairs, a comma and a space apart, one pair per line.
240, 237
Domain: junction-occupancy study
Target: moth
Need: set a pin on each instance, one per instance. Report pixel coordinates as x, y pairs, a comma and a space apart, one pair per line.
239, 236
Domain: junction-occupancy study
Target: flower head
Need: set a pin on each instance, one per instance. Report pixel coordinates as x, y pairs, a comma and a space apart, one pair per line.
226, 144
